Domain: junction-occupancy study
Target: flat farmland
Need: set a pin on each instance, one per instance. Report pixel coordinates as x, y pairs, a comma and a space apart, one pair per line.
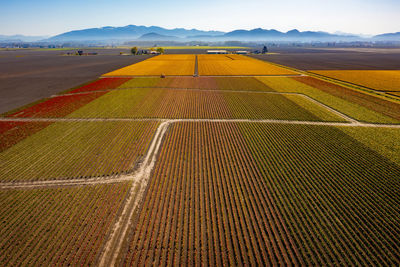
219, 65
207, 83
71, 150
355, 104
27, 76
180, 65
57, 226
252, 194
380, 80
228, 168
198, 104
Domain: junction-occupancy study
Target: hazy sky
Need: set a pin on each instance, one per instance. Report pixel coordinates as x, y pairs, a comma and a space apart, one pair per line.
51, 17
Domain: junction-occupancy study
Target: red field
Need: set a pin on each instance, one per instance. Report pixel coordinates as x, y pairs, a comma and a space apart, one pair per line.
101, 84
58, 106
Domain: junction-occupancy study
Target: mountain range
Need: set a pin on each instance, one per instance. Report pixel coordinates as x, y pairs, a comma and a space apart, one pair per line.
20, 38
154, 33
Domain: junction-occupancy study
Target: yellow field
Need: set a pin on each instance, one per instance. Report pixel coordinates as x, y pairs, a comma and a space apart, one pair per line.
155, 66
237, 65
382, 80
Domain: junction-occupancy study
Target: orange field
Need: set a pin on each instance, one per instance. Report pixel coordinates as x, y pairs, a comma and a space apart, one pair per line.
163, 64
237, 65
381, 80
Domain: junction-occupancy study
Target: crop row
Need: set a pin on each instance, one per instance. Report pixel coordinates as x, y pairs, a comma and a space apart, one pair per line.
205, 205
68, 150
175, 103
61, 226
338, 197
264, 194
237, 65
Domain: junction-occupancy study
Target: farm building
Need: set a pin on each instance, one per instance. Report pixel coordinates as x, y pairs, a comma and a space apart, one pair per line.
217, 52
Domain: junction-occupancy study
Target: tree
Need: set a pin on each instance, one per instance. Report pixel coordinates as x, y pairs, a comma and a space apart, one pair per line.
265, 49
160, 50
134, 50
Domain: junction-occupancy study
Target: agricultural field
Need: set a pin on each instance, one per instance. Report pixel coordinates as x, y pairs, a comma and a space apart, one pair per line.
30, 75
179, 65
252, 194
207, 83
219, 65
355, 104
71, 150
249, 163
57, 226
198, 104
380, 80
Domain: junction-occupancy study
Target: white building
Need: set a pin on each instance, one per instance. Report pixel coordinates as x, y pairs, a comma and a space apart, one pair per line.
217, 52
242, 52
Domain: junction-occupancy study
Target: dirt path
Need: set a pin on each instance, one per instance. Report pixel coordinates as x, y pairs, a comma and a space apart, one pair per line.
351, 123
140, 180
196, 67
58, 183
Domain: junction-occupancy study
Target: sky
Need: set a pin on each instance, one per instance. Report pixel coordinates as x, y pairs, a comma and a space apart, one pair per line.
52, 17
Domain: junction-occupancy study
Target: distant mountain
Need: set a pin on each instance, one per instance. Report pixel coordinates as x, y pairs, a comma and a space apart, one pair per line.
157, 37
293, 35
20, 38
255, 33
154, 33
129, 32
388, 36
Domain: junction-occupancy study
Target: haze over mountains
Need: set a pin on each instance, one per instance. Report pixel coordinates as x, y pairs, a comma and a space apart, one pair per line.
154, 33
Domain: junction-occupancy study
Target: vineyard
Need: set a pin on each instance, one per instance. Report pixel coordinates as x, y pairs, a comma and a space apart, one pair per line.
244, 163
